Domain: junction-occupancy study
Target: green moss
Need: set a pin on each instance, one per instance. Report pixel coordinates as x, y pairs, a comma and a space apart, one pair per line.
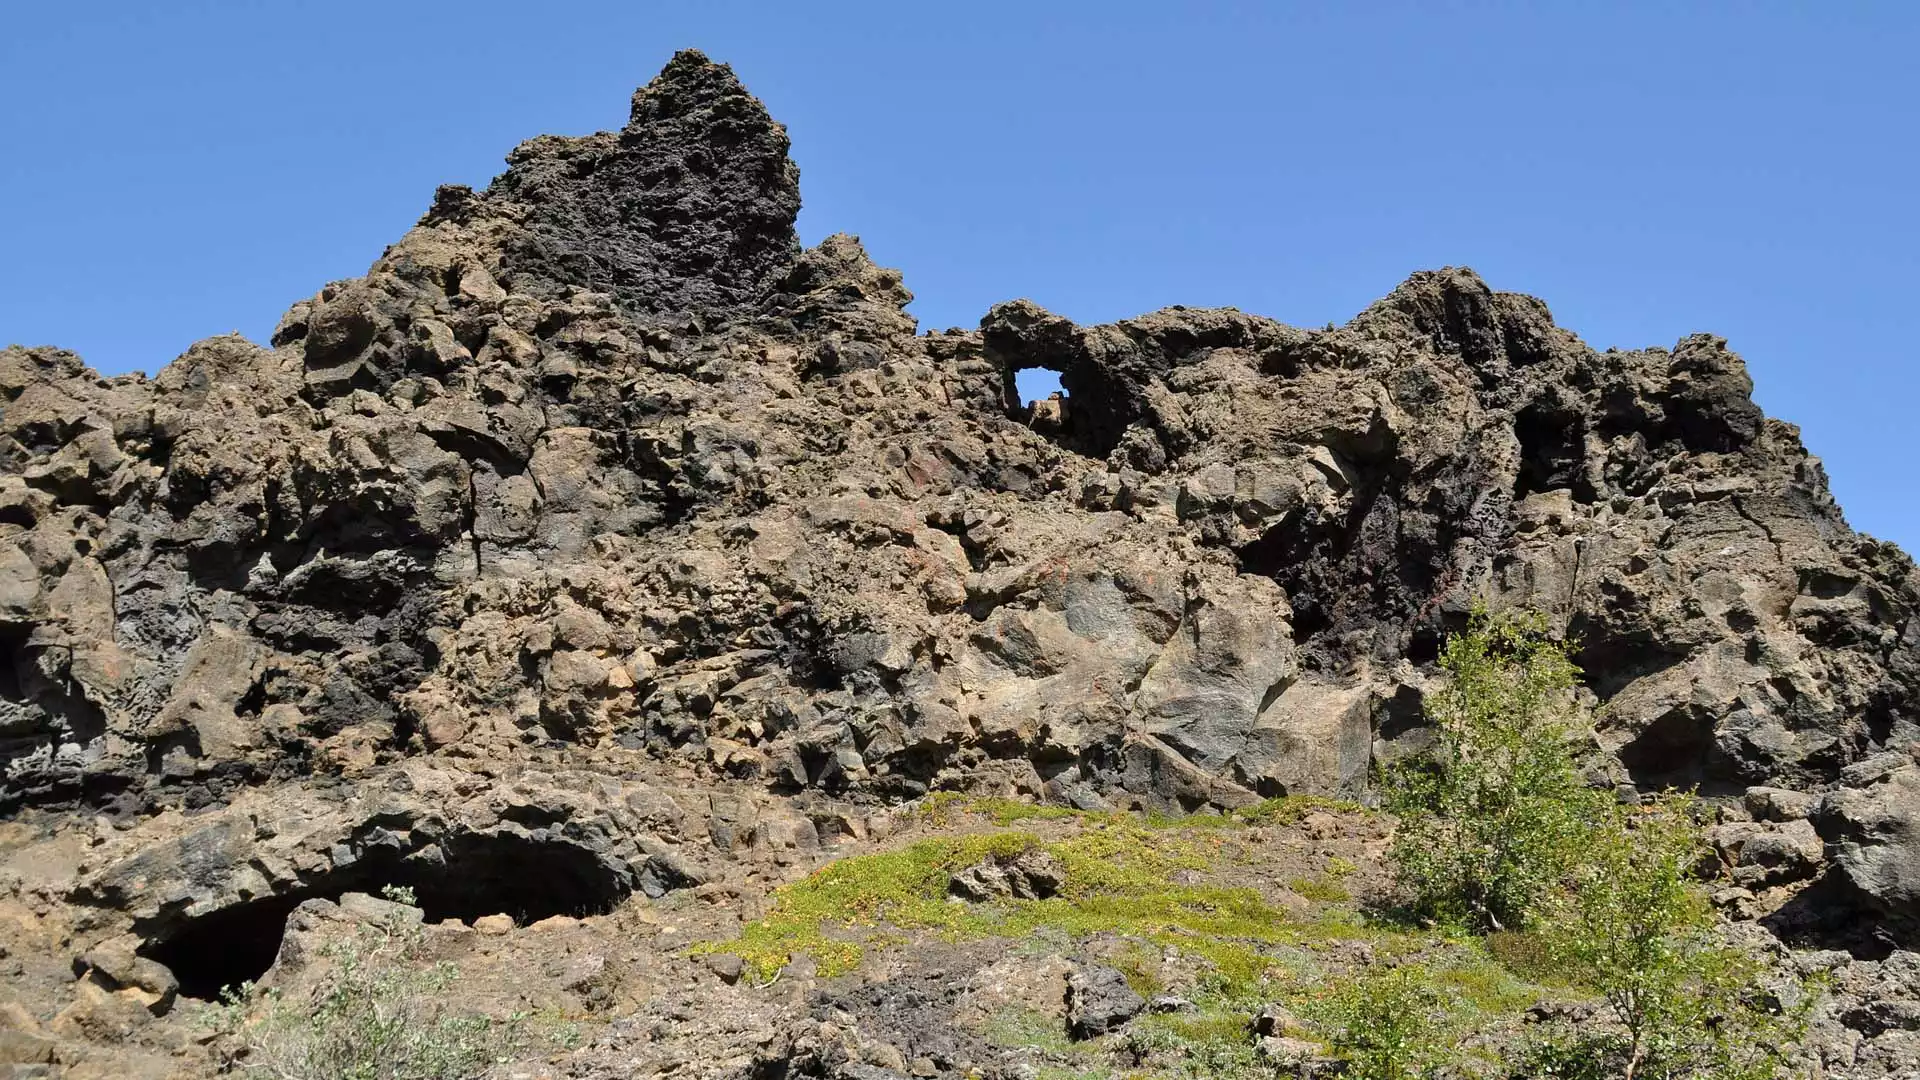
1290, 809
1285, 810
1213, 1044
1208, 1026
1118, 877
904, 889
1141, 966
1056, 1072
1321, 889
1008, 811
1484, 985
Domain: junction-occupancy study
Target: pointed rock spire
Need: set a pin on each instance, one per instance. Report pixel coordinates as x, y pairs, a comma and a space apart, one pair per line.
690, 207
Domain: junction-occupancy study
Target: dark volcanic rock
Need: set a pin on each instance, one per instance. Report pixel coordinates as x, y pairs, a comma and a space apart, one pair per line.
689, 208
1099, 1001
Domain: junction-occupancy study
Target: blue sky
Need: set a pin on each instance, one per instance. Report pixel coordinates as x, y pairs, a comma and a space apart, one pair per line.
176, 170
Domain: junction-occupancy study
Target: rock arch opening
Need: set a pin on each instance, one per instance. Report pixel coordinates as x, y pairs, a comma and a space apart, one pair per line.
1036, 384
462, 878
1096, 405
1038, 398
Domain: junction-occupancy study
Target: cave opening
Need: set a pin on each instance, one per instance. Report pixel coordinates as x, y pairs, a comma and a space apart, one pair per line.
462, 878
1677, 750
1552, 452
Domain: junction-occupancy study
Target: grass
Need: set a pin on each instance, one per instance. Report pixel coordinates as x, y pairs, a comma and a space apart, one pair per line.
1331, 892
1134, 876
1118, 877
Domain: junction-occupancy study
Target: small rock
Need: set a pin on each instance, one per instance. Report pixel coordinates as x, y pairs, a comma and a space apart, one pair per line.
116, 967
1169, 1003
494, 925
1780, 804
1099, 1001
1277, 1020
372, 909
1032, 875
103, 1015
665, 871
887, 1056
1548, 1012
24, 1048
726, 965
582, 973
1300, 1055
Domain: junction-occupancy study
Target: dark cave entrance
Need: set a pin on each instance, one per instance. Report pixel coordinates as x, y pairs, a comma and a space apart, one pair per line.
1552, 452
13, 657
462, 878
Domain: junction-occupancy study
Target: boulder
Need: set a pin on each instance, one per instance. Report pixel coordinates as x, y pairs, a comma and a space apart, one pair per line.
1875, 833
1099, 1001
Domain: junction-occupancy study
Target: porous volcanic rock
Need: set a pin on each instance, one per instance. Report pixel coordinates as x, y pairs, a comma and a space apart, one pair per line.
596, 477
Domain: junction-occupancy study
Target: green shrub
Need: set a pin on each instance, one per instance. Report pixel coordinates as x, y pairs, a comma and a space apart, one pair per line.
1208, 1046
1637, 928
1494, 819
1389, 1025
380, 1015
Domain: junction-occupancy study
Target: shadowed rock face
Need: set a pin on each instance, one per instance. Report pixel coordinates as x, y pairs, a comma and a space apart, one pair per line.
598, 464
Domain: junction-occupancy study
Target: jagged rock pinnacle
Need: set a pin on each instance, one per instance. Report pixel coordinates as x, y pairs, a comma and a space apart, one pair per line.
690, 207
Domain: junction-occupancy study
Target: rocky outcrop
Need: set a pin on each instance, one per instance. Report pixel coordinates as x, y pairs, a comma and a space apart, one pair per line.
598, 466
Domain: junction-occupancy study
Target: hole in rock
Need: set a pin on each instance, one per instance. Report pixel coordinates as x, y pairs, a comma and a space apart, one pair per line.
1552, 453
1035, 353
1677, 750
463, 878
12, 659
1036, 397
1036, 384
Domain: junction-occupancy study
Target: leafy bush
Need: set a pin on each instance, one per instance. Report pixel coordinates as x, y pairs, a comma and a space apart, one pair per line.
1208, 1046
1389, 1025
1637, 928
381, 1015
1495, 818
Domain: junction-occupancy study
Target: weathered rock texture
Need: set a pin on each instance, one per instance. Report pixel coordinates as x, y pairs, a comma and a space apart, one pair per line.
597, 465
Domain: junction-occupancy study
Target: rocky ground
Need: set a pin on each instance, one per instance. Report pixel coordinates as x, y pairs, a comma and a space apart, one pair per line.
602, 552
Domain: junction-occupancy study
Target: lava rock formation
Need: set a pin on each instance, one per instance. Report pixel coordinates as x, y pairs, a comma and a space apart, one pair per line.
597, 476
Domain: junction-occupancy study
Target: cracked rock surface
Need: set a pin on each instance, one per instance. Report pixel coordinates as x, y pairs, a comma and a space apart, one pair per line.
601, 528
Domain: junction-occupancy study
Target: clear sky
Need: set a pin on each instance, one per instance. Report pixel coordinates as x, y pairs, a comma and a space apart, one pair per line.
179, 169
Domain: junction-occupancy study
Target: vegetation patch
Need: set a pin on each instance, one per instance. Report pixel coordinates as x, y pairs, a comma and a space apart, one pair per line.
1524, 884
1118, 876
382, 1014
1312, 888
